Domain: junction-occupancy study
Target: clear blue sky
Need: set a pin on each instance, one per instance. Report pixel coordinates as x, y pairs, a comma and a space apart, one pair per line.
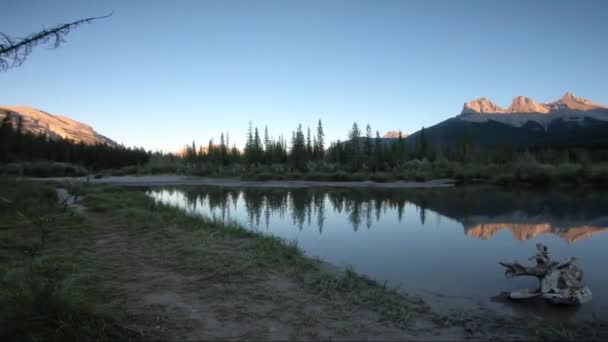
159, 74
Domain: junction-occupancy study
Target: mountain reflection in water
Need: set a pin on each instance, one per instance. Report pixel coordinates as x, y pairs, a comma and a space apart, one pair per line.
483, 212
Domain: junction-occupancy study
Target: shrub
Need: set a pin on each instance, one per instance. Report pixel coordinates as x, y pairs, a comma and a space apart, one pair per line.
380, 177
339, 176
599, 175
266, 176
130, 170
568, 172
44, 169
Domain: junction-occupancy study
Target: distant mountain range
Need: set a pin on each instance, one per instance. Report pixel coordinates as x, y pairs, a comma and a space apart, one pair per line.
570, 121
53, 126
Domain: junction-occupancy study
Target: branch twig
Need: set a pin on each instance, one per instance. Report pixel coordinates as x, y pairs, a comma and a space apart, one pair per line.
14, 52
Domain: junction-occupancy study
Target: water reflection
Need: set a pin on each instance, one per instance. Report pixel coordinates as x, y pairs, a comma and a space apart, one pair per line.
442, 244
482, 212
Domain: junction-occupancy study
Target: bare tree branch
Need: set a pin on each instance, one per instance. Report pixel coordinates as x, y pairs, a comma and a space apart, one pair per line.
13, 52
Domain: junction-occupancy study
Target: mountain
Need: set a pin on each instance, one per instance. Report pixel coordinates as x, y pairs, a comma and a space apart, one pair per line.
54, 126
394, 135
571, 121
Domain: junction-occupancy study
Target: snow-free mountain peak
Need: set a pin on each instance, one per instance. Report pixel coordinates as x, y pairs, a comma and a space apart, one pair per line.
524, 104
53, 126
571, 101
481, 105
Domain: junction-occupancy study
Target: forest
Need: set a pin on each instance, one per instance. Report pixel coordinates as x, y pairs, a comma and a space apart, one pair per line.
363, 155
30, 154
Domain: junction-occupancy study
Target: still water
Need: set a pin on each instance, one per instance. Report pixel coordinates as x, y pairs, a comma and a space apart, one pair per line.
441, 244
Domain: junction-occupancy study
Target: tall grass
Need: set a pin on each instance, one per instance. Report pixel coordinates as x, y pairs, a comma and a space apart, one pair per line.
46, 292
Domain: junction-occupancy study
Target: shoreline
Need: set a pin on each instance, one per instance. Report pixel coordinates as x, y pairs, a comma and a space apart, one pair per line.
191, 278
160, 180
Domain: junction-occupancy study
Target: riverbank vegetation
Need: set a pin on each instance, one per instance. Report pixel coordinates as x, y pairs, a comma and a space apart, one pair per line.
305, 156
366, 157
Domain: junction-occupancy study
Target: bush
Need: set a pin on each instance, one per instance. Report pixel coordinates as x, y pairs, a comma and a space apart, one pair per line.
43, 169
130, 170
567, 173
266, 176
599, 175
503, 179
542, 174
339, 176
420, 177
316, 176
294, 175
380, 177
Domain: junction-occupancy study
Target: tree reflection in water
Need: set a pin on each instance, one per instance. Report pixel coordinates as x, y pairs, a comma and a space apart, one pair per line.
482, 211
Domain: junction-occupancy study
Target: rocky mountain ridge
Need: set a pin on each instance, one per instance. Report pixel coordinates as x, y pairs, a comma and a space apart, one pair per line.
53, 126
523, 104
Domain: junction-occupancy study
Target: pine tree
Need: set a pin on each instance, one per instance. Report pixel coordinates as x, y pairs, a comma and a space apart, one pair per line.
223, 151
298, 150
248, 153
267, 145
354, 147
308, 145
257, 146
401, 144
320, 145
367, 145
378, 152
423, 145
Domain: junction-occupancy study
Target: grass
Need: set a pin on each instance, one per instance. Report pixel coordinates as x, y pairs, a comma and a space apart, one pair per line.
50, 288
188, 239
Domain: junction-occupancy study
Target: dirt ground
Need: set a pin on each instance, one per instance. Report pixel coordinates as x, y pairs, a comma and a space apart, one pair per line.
169, 304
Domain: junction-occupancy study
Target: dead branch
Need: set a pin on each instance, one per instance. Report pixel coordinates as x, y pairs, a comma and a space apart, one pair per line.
13, 52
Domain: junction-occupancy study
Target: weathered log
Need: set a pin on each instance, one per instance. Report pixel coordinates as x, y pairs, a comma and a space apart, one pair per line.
560, 282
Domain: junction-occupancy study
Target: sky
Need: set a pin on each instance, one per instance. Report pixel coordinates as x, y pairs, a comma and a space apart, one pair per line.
160, 74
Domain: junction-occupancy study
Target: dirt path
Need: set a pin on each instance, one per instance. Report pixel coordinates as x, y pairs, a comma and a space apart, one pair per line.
246, 305
186, 180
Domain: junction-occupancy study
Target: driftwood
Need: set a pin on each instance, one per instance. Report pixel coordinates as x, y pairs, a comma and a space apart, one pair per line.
560, 282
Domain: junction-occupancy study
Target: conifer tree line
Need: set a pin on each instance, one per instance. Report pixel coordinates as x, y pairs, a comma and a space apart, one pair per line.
16, 145
301, 149
361, 150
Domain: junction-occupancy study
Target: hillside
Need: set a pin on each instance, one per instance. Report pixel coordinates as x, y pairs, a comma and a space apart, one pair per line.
54, 126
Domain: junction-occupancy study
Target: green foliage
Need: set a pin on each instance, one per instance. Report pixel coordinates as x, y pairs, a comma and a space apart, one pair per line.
48, 290
43, 169
19, 146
